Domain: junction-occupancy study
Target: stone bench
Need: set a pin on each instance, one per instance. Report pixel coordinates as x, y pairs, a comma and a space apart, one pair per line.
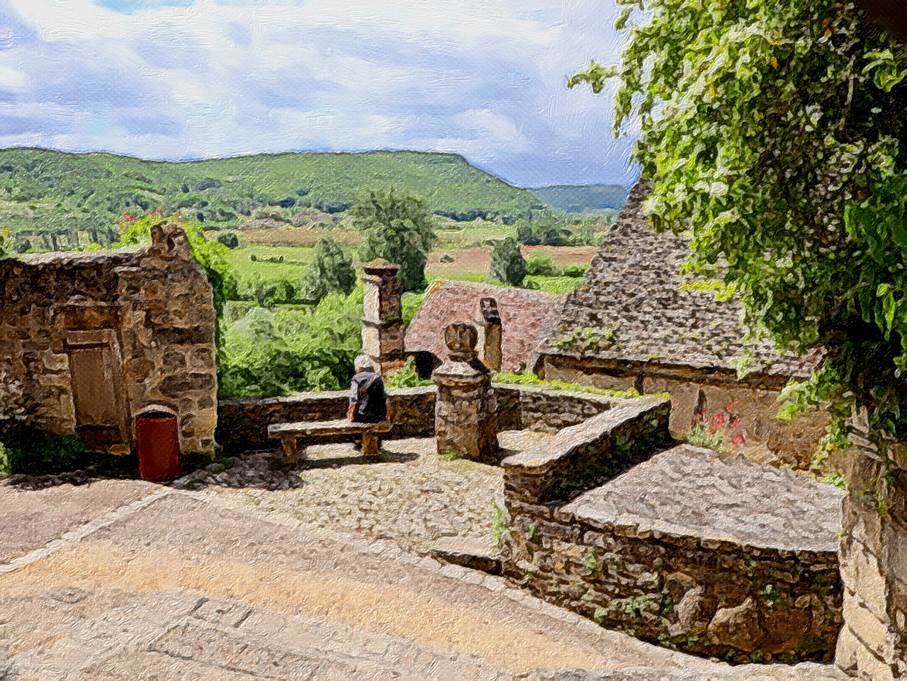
290, 434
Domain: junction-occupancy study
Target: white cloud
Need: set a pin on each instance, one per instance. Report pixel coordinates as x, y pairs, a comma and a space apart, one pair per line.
485, 78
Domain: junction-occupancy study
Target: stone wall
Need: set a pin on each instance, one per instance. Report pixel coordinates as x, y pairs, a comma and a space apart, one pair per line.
709, 592
873, 642
698, 394
96, 337
243, 424
530, 407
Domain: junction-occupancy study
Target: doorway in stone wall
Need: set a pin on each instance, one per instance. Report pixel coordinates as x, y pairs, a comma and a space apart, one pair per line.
97, 390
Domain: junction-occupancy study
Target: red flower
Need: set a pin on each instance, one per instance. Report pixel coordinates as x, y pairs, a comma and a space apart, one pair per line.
736, 422
739, 439
729, 407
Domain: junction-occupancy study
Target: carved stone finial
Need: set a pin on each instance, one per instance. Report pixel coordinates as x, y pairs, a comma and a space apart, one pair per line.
461, 339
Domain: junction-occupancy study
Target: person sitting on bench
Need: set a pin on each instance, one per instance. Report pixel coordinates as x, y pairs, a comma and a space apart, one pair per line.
368, 398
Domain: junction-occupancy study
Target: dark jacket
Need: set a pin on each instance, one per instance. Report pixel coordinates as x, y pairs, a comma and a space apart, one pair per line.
368, 394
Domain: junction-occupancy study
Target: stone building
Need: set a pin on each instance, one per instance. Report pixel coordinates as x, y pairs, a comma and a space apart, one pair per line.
636, 322
525, 319
95, 337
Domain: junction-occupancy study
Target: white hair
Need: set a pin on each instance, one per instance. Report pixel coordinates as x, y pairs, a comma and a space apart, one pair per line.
363, 363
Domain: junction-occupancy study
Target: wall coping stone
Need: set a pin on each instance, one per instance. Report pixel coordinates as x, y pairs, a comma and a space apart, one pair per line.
542, 457
690, 492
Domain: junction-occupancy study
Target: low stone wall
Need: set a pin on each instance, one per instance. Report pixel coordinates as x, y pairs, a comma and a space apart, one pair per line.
243, 423
530, 407
700, 394
755, 580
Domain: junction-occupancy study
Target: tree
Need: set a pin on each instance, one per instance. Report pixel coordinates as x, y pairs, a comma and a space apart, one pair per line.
331, 270
775, 134
398, 228
507, 263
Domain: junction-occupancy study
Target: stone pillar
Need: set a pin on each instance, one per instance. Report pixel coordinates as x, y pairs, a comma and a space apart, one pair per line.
488, 322
873, 641
465, 411
382, 315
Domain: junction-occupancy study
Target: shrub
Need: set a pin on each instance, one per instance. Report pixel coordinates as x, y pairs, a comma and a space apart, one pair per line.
406, 377
575, 271
507, 262
229, 239
397, 228
331, 270
541, 265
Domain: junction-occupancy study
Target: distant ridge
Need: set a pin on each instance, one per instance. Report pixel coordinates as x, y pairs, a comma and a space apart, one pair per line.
51, 192
583, 198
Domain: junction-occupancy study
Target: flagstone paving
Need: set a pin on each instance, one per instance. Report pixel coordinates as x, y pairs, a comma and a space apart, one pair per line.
135, 581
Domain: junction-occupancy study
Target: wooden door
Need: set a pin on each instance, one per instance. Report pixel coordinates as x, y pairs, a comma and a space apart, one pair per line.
96, 390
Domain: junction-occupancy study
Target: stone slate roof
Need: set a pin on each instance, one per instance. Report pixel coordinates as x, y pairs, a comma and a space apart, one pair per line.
526, 318
632, 308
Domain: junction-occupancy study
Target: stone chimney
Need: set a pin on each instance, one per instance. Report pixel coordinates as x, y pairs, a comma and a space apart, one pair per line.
465, 411
488, 323
382, 315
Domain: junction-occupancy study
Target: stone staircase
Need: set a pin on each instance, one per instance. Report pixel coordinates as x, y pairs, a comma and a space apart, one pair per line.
674, 545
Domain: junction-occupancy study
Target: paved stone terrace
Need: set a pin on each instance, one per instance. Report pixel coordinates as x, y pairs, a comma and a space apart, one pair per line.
690, 491
157, 583
410, 495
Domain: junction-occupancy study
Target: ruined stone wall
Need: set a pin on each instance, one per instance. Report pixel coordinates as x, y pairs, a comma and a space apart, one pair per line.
95, 337
697, 395
873, 642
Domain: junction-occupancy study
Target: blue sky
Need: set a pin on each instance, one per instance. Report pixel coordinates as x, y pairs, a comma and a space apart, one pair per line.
177, 79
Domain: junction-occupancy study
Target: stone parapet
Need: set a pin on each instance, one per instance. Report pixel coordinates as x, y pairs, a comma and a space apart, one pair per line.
583, 456
719, 559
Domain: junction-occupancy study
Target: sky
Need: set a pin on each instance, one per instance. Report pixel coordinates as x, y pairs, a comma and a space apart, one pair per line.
180, 79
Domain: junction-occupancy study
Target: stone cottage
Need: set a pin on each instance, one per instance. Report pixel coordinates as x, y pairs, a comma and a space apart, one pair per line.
636, 322
525, 319
95, 337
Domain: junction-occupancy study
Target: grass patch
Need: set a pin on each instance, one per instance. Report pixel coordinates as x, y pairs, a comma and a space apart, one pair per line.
532, 379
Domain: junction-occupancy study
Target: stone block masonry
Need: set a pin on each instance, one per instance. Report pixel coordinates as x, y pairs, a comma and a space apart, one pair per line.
95, 337
722, 559
873, 642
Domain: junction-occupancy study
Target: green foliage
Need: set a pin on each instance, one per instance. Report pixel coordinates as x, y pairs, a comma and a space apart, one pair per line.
411, 303
228, 239
331, 270
500, 523
541, 265
406, 377
775, 134
507, 262
58, 194
700, 436
398, 228
278, 352
5, 243
532, 379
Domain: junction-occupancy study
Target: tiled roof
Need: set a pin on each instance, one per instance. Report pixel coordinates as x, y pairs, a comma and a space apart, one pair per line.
633, 307
526, 318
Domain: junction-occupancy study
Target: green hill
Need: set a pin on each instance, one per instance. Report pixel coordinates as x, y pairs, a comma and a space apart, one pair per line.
583, 198
61, 194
